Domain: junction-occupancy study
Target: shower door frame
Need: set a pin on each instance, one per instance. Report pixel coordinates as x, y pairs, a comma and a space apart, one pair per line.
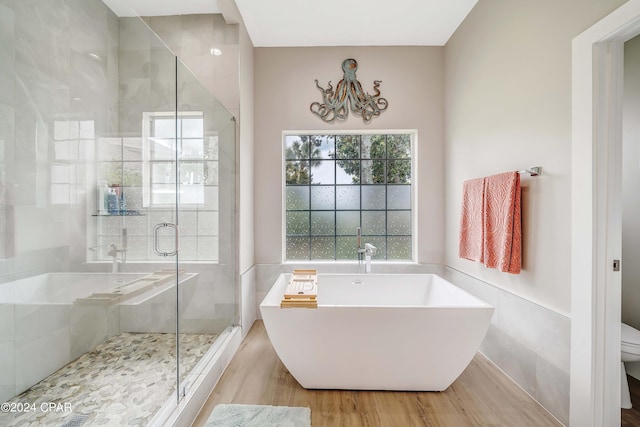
175, 226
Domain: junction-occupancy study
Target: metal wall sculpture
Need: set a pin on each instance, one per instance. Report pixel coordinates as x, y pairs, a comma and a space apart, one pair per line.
349, 91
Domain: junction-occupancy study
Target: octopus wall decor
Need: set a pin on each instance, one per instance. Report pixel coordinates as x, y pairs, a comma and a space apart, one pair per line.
349, 95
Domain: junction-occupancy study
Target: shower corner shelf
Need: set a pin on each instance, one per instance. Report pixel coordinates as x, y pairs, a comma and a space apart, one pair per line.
124, 213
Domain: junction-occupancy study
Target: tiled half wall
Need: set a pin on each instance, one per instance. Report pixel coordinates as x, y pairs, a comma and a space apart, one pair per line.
528, 342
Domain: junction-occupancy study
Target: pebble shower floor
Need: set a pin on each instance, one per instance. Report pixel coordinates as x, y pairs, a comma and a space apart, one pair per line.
122, 382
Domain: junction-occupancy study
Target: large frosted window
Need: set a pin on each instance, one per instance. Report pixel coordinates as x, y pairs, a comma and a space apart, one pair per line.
337, 183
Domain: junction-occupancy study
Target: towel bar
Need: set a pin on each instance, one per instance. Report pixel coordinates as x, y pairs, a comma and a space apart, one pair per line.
534, 171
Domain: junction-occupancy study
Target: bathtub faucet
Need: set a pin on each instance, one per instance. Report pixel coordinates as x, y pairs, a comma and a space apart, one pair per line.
369, 251
359, 248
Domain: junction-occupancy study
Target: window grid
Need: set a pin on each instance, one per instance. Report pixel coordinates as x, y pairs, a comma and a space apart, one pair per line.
381, 238
186, 160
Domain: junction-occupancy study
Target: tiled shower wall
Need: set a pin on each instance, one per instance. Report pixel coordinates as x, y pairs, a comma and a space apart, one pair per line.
147, 83
57, 93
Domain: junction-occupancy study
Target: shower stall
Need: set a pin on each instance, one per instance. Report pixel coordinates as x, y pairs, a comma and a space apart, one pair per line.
118, 277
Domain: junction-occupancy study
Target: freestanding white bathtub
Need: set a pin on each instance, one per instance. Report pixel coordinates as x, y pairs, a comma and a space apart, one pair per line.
377, 332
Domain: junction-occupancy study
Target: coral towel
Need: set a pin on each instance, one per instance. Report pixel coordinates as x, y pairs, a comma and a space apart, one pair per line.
471, 221
490, 222
502, 227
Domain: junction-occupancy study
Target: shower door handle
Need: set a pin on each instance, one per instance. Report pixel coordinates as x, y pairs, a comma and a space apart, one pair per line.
156, 240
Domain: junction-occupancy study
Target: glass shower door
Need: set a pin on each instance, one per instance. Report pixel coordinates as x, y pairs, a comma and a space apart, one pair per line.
160, 195
181, 179
206, 297
147, 167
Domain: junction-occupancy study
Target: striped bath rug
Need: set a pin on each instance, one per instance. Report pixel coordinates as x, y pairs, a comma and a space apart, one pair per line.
236, 415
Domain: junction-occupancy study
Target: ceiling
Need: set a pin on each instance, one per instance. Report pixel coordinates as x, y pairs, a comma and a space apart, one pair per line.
276, 23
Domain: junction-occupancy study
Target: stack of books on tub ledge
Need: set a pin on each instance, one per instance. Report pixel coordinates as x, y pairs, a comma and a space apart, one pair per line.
302, 290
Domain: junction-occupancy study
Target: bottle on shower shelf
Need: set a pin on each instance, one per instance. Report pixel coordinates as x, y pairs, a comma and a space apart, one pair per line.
113, 201
103, 197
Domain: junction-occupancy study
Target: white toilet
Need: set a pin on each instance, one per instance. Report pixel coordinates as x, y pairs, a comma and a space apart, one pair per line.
630, 341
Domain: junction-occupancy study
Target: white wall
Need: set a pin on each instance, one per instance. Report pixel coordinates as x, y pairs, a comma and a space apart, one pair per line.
508, 107
246, 166
630, 185
246, 184
413, 83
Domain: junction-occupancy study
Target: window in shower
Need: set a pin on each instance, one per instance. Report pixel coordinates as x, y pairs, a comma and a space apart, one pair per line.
198, 156
72, 139
337, 183
145, 170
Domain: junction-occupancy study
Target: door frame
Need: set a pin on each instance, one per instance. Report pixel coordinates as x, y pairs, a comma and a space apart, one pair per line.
597, 83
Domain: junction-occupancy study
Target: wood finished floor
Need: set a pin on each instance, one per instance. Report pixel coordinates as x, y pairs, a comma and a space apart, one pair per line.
481, 396
631, 417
